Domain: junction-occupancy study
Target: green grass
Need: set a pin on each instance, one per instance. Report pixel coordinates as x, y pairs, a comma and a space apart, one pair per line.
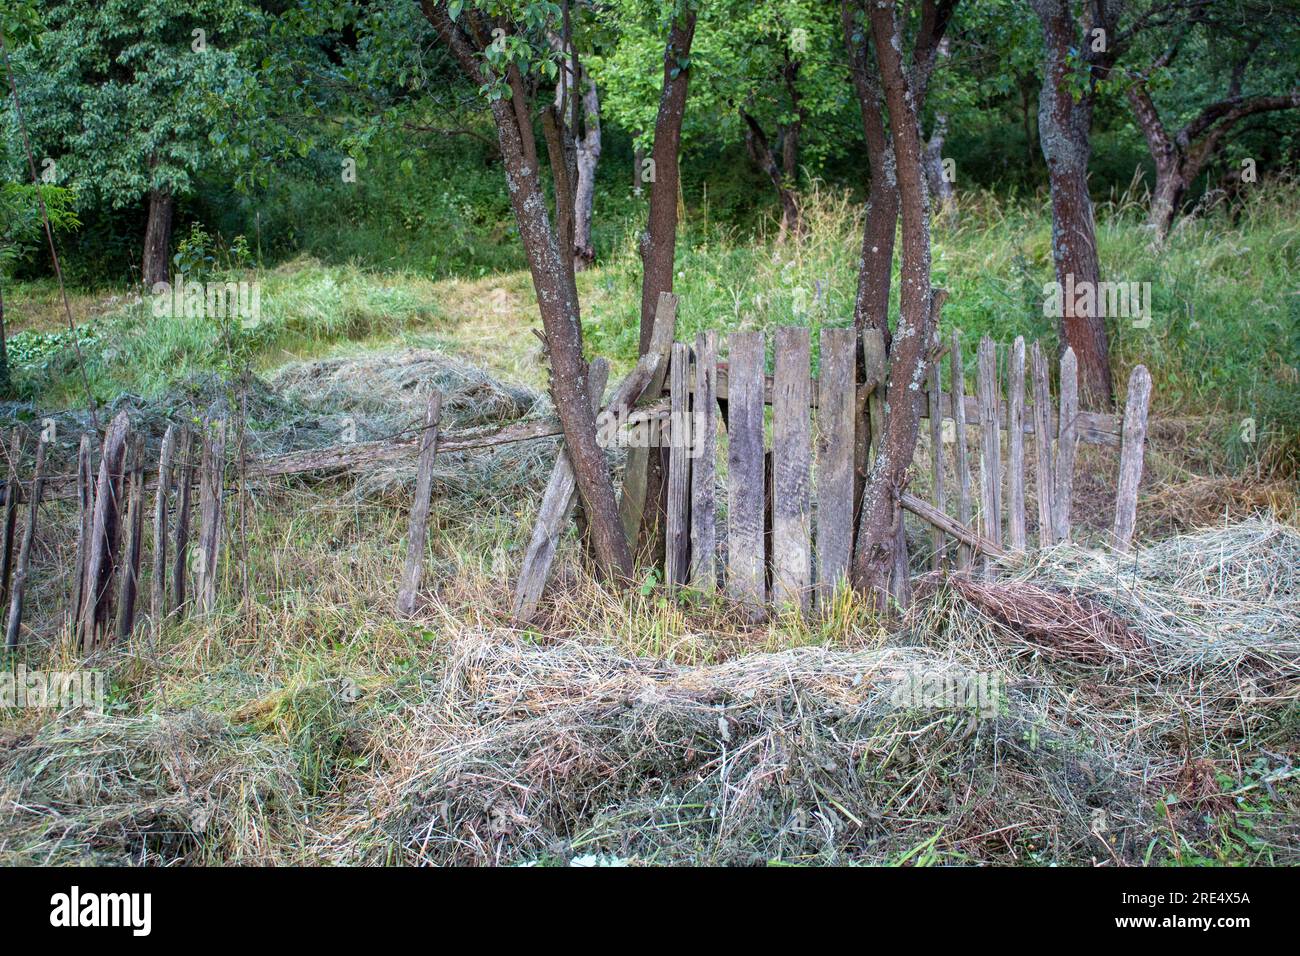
1225, 340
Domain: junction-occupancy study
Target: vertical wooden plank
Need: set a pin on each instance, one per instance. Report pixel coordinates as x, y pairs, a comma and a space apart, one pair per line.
85, 511
836, 444
1016, 445
180, 551
677, 537
1043, 446
1067, 433
990, 445
158, 582
418, 529
963, 452
101, 562
212, 470
15, 623
558, 500
12, 499
704, 515
1131, 456
746, 557
937, 491
636, 473
791, 468
134, 539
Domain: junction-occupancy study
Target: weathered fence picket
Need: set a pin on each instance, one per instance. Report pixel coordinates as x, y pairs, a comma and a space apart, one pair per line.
791, 469
1016, 448
704, 517
962, 452
746, 551
677, 533
418, 527
14, 626
836, 404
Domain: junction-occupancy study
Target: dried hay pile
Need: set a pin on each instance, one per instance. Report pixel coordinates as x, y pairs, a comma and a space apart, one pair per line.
108, 790
1116, 680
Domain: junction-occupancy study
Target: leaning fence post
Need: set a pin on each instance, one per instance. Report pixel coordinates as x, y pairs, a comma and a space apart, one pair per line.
558, 500
211, 479
417, 532
1131, 455
85, 507
13, 496
14, 625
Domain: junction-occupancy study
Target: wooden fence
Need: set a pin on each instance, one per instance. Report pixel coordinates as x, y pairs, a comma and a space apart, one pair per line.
781, 531
792, 479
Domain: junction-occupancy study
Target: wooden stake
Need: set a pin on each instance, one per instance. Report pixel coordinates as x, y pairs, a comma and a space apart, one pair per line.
1065, 446
180, 551
1043, 447
12, 499
14, 626
553, 516
1131, 456
134, 541
990, 445
418, 530
158, 584
938, 541
677, 539
211, 484
101, 565
963, 456
1016, 444
85, 513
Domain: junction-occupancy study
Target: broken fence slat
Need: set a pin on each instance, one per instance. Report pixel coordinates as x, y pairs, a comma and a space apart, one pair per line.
418, 528
211, 508
85, 514
637, 471
963, 455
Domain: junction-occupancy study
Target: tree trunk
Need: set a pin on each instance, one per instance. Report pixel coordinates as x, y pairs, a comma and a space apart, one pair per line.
156, 265
940, 188
880, 517
659, 242
760, 152
1065, 126
584, 253
871, 304
555, 299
